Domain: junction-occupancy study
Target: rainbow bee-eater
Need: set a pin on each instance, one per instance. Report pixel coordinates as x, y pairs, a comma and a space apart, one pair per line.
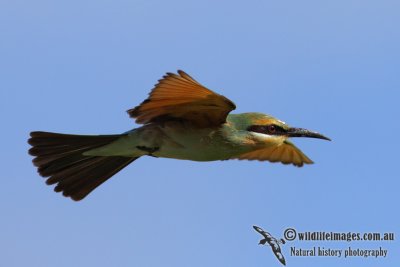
181, 119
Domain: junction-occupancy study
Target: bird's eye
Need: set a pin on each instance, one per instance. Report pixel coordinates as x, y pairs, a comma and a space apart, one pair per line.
271, 129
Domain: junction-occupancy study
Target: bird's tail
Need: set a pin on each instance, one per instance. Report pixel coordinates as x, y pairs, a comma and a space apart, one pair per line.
60, 157
263, 241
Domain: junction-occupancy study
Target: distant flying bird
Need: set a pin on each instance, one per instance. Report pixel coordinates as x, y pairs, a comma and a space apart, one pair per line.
273, 242
182, 120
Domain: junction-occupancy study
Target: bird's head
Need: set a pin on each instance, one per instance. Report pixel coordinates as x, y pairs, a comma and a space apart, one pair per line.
267, 139
266, 128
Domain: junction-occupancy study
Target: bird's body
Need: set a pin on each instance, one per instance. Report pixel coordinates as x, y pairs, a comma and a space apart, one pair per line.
180, 140
182, 120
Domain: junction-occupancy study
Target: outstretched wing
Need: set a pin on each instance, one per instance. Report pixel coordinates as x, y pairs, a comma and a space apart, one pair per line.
261, 231
180, 97
287, 153
278, 253
258, 229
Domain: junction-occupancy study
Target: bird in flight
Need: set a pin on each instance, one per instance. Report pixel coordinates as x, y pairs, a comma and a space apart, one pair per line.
181, 119
273, 242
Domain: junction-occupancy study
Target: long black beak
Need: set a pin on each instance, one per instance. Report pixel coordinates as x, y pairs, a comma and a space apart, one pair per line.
300, 132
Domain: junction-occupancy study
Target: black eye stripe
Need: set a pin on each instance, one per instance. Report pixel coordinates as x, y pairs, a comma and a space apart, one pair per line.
267, 129
257, 128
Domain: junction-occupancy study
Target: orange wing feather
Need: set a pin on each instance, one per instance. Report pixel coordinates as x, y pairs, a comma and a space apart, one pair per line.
287, 153
180, 97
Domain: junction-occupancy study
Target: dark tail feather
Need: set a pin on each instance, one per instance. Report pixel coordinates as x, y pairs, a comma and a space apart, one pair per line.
262, 241
59, 157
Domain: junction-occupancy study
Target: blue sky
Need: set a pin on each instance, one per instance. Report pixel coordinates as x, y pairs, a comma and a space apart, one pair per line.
77, 66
